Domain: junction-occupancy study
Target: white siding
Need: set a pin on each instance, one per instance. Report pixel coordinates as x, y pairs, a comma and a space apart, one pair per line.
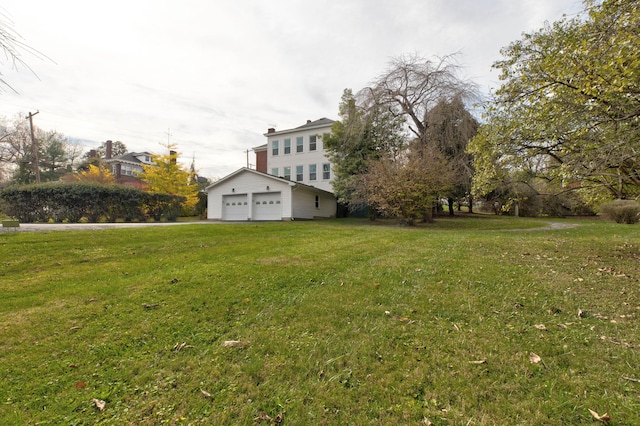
304, 204
247, 182
304, 158
266, 206
235, 207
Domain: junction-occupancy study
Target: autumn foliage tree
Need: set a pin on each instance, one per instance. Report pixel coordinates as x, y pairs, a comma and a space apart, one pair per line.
165, 175
568, 109
95, 173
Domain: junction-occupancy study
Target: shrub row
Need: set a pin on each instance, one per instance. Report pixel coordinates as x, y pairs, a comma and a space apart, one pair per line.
621, 211
70, 202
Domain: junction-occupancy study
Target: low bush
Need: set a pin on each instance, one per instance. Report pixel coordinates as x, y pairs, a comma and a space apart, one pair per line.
621, 211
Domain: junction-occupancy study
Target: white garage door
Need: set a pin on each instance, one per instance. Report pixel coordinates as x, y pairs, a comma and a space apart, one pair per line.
267, 206
235, 207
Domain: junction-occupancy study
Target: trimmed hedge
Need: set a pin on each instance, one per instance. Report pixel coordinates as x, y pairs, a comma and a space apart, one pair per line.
70, 202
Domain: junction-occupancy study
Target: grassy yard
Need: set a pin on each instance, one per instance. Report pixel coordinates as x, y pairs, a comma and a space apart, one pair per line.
462, 322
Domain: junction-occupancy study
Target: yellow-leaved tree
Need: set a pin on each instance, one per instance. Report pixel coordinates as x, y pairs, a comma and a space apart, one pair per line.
166, 176
97, 174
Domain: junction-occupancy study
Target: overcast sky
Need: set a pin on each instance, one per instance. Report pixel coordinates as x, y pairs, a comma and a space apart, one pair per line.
212, 75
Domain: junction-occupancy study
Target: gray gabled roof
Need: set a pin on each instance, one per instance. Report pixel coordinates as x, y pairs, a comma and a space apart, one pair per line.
322, 122
129, 157
266, 175
318, 123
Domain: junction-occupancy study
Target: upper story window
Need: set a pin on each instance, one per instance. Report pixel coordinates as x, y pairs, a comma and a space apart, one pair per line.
274, 171
274, 148
299, 144
313, 172
287, 146
287, 173
299, 173
313, 144
326, 171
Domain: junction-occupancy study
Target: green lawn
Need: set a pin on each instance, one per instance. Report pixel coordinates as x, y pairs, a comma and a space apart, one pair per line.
335, 322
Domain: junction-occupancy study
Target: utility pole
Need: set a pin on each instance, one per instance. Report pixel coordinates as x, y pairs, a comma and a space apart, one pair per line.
34, 148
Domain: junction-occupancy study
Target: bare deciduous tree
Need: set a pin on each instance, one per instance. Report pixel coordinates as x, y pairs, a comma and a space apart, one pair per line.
413, 85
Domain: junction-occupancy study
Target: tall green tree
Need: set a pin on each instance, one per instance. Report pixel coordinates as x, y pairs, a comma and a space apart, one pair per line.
361, 135
568, 109
54, 155
450, 128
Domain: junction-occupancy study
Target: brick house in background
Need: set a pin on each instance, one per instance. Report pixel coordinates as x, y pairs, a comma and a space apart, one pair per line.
126, 167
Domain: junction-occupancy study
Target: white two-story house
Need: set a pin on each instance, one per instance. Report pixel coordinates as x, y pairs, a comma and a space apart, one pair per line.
292, 179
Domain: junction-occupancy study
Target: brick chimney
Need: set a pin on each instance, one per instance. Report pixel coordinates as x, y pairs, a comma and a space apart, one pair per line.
109, 150
271, 130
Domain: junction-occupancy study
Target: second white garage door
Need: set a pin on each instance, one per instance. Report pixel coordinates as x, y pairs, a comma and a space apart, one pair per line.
267, 206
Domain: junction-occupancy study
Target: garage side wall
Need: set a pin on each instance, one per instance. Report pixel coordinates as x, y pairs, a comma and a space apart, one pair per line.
305, 206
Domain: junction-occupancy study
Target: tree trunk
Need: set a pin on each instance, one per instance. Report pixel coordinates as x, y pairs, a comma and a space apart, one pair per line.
451, 206
470, 204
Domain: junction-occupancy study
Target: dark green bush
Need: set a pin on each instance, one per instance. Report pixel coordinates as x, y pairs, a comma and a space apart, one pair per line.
621, 211
70, 202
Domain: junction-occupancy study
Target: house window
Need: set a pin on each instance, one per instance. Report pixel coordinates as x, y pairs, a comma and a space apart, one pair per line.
317, 202
313, 173
326, 171
287, 173
274, 148
313, 145
287, 146
274, 171
299, 144
299, 173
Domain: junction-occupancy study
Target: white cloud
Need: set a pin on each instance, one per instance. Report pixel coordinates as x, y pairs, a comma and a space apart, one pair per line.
218, 73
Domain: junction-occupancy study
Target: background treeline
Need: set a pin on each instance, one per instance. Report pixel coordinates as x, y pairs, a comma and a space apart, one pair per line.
73, 202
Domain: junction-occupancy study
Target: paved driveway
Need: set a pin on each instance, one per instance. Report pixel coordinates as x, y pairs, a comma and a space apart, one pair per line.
35, 227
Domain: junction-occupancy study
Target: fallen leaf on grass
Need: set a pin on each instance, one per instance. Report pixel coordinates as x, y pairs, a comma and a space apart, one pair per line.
180, 346
540, 326
100, 404
263, 417
478, 362
231, 343
205, 393
535, 358
602, 418
149, 305
81, 385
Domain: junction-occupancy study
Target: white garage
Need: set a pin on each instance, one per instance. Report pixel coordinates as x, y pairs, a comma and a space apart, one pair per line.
235, 207
267, 206
247, 194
